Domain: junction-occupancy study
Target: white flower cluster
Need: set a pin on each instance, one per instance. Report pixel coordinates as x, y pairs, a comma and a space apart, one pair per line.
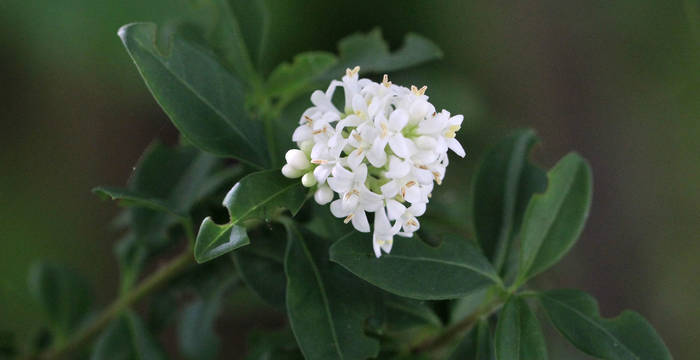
380, 154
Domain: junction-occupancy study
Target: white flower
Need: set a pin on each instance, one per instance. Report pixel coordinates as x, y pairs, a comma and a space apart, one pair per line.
383, 154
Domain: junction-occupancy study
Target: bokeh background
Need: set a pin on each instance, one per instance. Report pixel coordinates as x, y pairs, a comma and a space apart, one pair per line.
617, 81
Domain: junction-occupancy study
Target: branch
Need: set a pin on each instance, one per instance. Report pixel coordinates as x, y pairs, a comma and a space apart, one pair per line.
147, 286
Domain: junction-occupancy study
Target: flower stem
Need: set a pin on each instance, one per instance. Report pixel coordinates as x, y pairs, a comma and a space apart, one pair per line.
174, 267
458, 329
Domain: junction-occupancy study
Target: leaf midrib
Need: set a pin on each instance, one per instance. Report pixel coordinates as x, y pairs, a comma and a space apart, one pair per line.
159, 58
322, 289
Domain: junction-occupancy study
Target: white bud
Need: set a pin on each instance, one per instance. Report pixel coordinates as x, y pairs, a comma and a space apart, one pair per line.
291, 172
308, 179
297, 159
323, 195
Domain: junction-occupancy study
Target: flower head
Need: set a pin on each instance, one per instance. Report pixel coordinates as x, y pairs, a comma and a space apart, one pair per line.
381, 154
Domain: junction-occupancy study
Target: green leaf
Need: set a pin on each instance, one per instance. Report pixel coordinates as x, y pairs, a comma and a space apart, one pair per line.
239, 35
628, 336
8, 345
273, 345
257, 196
132, 198
202, 99
327, 306
261, 265
302, 75
371, 52
63, 294
554, 220
503, 186
477, 345
127, 338
416, 270
518, 333
196, 336
406, 323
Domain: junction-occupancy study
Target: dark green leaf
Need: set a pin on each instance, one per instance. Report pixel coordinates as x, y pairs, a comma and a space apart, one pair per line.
257, 196
203, 100
261, 265
327, 306
372, 54
416, 270
477, 345
628, 336
503, 186
63, 294
277, 345
289, 80
197, 339
239, 35
518, 334
125, 339
132, 198
554, 220
8, 347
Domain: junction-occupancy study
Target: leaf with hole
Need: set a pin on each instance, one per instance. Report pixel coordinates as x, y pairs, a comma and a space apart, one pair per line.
260, 195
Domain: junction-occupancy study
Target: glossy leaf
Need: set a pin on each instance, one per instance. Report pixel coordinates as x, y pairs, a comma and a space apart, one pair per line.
257, 196
127, 338
261, 265
628, 336
291, 79
416, 270
518, 333
371, 52
327, 306
477, 344
63, 294
202, 99
554, 220
503, 186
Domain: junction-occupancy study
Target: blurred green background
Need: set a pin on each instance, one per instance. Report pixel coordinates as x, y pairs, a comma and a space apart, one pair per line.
617, 81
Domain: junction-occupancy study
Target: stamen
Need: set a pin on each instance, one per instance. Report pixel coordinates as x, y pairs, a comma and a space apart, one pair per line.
308, 120
412, 222
357, 136
436, 175
319, 162
417, 91
410, 183
351, 73
385, 81
347, 219
384, 129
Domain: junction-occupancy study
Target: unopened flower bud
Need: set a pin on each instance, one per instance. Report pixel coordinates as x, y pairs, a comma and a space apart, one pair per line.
323, 195
308, 179
291, 172
297, 159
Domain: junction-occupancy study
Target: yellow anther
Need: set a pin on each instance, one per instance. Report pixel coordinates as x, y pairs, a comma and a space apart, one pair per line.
451, 131
436, 175
347, 219
410, 183
319, 162
385, 81
353, 72
417, 91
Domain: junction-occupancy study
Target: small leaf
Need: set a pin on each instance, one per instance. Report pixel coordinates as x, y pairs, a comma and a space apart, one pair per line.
518, 333
371, 52
261, 265
628, 336
63, 294
327, 306
132, 198
477, 344
503, 186
414, 269
257, 196
554, 220
203, 100
289, 80
125, 339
